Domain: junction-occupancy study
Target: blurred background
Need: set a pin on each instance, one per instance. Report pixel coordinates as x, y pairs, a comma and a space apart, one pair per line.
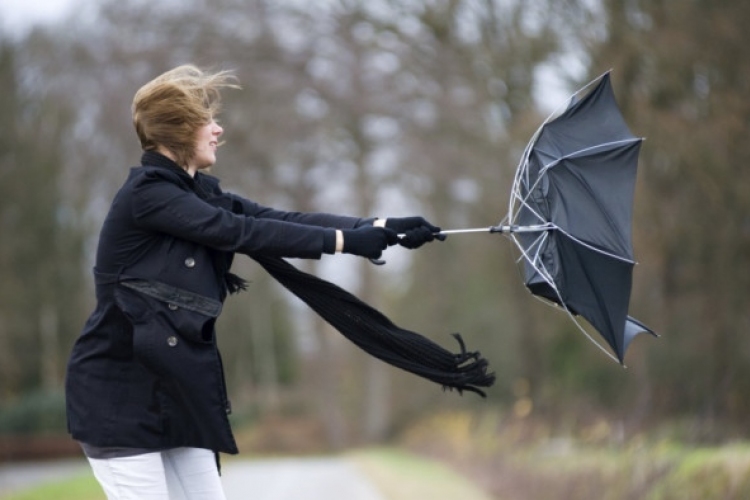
390, 108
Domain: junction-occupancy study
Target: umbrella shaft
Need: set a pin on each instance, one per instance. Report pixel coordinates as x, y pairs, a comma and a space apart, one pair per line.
500, 229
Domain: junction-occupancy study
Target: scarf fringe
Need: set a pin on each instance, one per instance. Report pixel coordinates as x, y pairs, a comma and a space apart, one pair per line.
378, 336
234, 283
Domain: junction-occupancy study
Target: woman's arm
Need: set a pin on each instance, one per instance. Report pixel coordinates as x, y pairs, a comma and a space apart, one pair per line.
162, 206
253, 209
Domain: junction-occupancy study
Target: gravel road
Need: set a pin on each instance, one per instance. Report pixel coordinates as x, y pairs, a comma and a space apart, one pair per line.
296, 479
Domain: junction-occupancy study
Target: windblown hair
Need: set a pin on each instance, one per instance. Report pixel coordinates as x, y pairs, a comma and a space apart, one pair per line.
169, 110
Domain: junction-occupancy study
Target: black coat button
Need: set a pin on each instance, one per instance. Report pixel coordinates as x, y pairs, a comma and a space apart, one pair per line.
190, 262
171, 341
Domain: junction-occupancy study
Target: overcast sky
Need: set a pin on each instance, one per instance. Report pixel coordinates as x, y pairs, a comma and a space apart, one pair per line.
18, 15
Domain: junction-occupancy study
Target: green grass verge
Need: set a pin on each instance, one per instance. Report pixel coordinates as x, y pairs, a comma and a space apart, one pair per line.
403, 476
647, 471
79, 488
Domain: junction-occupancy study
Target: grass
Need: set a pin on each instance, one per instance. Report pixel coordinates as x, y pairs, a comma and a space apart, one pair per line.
403, 476
82, 487
521, 459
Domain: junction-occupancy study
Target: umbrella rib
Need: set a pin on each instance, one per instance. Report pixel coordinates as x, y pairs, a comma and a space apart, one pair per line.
595, 249
581, 152
540, 269
518, 197
528, 207
538, 244
588, 335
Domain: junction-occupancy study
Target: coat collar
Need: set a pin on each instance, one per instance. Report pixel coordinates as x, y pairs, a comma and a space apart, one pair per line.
203, 185
154, 159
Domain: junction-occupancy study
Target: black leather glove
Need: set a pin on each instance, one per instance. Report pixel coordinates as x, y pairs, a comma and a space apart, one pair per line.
416, 231
368, 241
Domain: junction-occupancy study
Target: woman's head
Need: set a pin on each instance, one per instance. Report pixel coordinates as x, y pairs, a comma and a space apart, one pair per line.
170, 110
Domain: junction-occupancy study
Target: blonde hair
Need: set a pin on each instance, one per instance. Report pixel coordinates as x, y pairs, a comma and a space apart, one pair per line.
169, 109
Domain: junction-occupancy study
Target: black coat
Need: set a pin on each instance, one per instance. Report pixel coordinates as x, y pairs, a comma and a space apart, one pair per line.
146, 371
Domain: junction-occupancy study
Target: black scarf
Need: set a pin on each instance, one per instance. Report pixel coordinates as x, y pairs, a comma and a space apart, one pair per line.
377, 335
366, 327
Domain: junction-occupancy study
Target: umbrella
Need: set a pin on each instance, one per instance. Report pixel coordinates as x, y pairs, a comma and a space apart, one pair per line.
570, 214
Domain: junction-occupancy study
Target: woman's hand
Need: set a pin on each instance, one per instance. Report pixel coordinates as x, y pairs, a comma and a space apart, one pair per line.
414, 231
368, 241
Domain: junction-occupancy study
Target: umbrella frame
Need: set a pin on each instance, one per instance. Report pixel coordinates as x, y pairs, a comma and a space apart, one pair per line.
518, 200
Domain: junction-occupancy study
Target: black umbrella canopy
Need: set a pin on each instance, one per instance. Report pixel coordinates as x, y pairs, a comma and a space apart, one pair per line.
577, 180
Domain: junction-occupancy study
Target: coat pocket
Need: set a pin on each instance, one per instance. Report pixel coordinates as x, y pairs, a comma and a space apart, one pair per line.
174, 310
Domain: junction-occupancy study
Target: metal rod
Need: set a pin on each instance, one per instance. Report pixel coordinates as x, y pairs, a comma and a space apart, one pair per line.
501, 229
463, 231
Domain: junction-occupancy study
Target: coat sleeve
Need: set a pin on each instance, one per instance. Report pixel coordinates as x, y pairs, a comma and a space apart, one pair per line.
254, 209
162, 206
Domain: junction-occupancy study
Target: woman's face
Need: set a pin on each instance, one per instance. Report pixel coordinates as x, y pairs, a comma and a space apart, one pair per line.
207, 140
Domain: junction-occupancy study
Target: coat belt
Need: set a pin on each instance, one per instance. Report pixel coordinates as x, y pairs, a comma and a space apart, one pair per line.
164, 292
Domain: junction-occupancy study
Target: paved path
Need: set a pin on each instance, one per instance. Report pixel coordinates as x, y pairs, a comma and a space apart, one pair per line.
296, 479
265, 479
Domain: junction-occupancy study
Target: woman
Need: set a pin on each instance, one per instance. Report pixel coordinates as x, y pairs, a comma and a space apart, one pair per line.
145, 388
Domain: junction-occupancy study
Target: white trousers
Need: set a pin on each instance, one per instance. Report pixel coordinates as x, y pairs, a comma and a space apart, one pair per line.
177, 474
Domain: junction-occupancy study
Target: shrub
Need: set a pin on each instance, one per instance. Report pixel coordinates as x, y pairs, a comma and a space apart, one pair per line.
34, 413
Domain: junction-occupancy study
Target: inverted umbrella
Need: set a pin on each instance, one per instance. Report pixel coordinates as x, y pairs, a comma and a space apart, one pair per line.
570, 214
